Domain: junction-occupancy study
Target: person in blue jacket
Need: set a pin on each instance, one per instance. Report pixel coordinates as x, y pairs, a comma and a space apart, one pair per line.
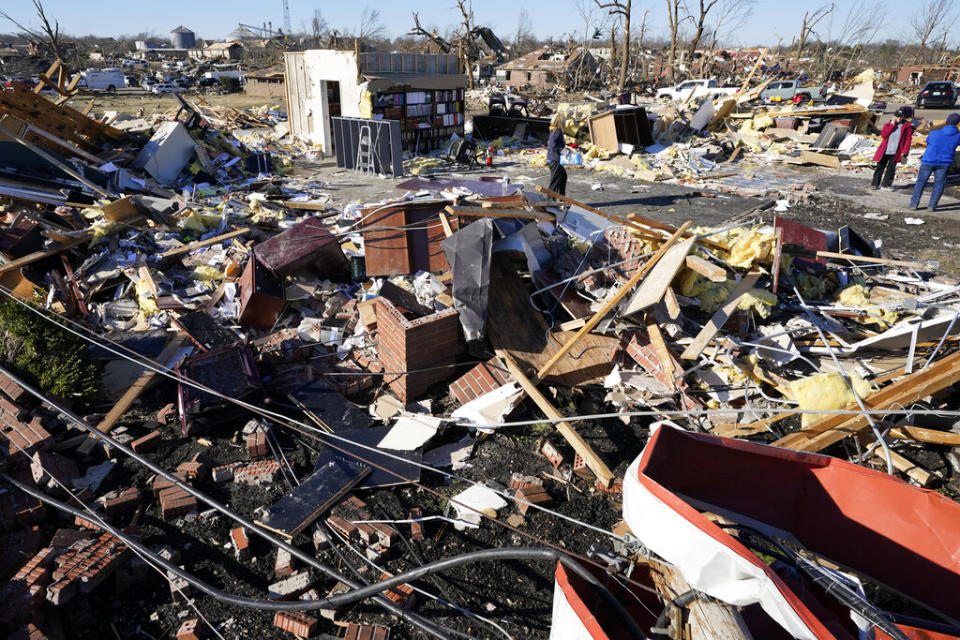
937, 159
555, 145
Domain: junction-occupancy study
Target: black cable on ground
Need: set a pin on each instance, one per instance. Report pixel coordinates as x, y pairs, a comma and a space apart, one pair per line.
355, 595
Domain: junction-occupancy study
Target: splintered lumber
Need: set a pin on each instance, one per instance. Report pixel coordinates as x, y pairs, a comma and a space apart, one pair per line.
695, 348
66, 168
654, 286
905, 466
615, 300
574, 439
822, 159
887, 261
483, 212
445, 223
710, 271
908, 389
307, 205
30, 258
926, 436
706, 618
179, 252
164, 360
672, 304
660, 348
636, 222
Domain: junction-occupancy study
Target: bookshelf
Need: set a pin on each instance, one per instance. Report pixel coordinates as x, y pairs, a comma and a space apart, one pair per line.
427, 117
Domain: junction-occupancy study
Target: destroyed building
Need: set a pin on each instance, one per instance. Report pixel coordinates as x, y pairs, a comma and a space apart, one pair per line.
411, 396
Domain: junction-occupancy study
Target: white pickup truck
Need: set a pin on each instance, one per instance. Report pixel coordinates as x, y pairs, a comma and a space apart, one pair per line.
699, 88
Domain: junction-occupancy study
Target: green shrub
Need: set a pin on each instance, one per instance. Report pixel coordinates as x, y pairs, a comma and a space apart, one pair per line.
45, 354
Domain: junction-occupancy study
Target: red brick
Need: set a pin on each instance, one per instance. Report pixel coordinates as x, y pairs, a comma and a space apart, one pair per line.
241, 543
580, 467
189, 630
531, 495
296, 622
175, 501
147, 443
124, 501
400, 594
550, 451
192, 470
256, 444
416, 528
521, 481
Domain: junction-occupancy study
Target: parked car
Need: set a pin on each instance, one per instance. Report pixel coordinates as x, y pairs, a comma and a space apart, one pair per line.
165, 88
25, 82
131, 81
207, 82
183, 82
937, 94
785, 90
147, 82
699, 88
169, 66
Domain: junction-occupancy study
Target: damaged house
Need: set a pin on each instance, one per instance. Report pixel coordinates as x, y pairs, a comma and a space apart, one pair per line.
545, 69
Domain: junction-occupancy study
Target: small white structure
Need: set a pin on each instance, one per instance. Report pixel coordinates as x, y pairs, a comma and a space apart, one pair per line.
325, 83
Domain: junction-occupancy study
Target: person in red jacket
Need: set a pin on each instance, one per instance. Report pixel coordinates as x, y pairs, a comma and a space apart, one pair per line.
894, 147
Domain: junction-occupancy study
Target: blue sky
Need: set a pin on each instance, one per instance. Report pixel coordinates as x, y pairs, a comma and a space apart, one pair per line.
214, 19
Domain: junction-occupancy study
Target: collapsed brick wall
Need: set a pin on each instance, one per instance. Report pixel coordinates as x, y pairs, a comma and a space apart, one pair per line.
405, 345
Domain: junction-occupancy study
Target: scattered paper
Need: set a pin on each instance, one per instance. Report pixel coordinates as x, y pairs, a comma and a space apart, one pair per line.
477, 498
410, 432
913, 220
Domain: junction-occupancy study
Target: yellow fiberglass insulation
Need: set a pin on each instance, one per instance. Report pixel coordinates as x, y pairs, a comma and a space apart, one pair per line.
750, 247
712, 295
858, 297
145, 299
206, 273
825, 392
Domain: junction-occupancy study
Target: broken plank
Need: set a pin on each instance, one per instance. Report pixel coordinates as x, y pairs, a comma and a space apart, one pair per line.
164, 360
306, 205
30, 258
574, 439
655, 284
661, 349
482, 212
635, 221
926, 436
185, 249
705, 618
905, 466
695, 348
615, 300
908, 389
672, 304
710, 271
887, 261
821, 159
63, 166
445, 223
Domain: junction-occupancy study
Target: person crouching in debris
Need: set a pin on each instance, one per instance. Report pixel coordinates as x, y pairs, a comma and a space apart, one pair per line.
555, 146
937, 159
894, 147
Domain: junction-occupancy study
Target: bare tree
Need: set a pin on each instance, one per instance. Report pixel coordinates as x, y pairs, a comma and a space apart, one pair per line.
47, 38
673, 22
700, 23
371, 26
731, 16
419, 30
524, 32
622, 9
933, 21
468, 48
590, 29
319, 26
810, 20
860, 27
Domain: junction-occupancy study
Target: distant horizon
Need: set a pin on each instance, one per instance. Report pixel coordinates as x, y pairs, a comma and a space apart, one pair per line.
771, 21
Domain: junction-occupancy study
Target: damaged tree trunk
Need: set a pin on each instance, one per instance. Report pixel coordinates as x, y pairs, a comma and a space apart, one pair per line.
623, 9
702, 618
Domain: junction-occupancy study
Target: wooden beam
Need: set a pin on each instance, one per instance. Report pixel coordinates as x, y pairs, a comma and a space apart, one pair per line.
905, 466
672, 304
307, 205
655, 285
66, 168
482, 212
707, 618
695, 348
894, 263
660, 348
140, 385
756, 66
911, 388
710, 271
636, 222
615, 300
30, 258
445, 223
184, 250
926, 436
574, 439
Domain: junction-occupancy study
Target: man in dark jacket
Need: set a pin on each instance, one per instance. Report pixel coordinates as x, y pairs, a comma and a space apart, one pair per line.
894, 147
555, 146
941, 146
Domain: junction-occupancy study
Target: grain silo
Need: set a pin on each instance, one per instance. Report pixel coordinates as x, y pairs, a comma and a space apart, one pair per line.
183, 38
